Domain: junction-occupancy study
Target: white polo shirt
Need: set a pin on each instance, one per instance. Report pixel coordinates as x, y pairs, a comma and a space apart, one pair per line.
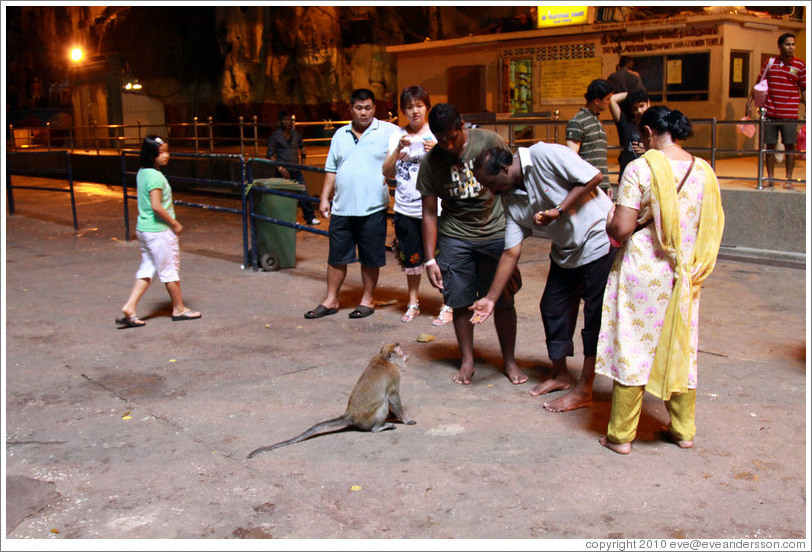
360, 189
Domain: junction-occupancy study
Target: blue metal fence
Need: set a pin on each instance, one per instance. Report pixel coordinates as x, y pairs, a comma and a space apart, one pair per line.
60, 173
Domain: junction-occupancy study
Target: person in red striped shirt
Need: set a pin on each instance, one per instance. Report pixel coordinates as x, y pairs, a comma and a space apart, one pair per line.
787, 87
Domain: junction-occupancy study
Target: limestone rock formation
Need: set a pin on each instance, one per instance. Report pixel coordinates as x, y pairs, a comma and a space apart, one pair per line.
237, 60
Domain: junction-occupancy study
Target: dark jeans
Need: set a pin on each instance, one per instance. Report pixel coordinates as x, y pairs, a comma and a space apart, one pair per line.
308, 211
560, 301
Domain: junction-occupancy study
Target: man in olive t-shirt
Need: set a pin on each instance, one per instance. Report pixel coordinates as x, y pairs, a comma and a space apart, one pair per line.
470, 238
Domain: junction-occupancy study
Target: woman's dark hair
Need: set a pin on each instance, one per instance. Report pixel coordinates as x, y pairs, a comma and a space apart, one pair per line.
150, 150
493, 160
661, 120
444, 117
413, 93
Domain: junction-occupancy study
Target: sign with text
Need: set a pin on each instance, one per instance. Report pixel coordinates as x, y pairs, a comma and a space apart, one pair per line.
566, 80
555, 16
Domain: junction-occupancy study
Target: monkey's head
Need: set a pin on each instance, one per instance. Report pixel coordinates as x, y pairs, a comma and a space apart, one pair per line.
390, 350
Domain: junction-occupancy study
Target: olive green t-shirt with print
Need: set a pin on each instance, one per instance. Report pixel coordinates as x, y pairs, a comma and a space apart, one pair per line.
470, 210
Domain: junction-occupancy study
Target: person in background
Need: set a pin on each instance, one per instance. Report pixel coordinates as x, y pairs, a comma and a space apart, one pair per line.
786, 77
669, 218
358, 225
626, 79
286, 146
626, 109
470, 237
406, 148
157, 230
585, 133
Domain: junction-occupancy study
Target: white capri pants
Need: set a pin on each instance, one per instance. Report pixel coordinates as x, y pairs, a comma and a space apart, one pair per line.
159, 253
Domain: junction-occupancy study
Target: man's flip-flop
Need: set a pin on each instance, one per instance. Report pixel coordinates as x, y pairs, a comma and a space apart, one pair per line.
188, 315
320, 311
361, 311
129, 322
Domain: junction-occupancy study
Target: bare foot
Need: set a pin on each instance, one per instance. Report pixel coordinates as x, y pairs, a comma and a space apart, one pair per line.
571, 401
671, 438
515, 375
620, 448
463, 377
559, 383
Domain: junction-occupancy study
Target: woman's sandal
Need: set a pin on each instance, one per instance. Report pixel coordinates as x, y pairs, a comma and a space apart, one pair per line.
411, 312
445, 316
129, 322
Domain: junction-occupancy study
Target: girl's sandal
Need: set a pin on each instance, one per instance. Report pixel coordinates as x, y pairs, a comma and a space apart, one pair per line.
445, 316
411, 312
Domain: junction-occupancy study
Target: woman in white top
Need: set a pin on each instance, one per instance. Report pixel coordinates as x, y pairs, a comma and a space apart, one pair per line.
406, 148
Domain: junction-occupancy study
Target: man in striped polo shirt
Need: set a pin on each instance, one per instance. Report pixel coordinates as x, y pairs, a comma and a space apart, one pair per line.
787, 87
585, 133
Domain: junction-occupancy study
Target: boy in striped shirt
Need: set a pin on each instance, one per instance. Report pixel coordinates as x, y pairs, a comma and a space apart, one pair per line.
787, 87
585, 133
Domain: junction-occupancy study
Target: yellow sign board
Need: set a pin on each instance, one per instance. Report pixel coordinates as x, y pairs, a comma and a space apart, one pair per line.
555, 16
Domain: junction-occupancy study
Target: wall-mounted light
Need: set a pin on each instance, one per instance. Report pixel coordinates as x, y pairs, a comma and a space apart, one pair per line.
76, 55
130, 83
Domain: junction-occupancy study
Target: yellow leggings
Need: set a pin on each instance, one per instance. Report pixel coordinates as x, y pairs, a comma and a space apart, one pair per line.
627, 402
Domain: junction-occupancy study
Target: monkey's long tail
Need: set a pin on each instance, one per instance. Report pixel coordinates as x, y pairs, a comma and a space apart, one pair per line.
335, 424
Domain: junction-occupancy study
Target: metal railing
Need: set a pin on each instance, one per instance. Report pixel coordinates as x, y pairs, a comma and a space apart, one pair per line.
127, 176
59, 173
250, 137
245, 183
529, 130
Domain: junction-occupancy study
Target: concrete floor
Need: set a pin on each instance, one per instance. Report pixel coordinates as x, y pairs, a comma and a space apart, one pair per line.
143, 433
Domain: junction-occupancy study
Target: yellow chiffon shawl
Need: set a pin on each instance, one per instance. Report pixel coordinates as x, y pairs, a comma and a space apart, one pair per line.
669, 371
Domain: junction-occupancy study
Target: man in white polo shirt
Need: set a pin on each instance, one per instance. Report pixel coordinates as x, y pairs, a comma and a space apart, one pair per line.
549, 191
358, 212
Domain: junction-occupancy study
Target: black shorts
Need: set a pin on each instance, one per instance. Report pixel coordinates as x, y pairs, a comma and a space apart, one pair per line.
367, 234
789, 133
409, 244
468, 268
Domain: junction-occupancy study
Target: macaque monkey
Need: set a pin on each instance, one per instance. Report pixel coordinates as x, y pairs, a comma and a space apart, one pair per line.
376, 393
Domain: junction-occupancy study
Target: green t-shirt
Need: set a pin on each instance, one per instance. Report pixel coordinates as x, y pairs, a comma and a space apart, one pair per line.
470, 210
146, 181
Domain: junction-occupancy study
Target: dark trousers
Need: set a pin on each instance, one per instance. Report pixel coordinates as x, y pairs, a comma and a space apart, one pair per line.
308, 210
562, 296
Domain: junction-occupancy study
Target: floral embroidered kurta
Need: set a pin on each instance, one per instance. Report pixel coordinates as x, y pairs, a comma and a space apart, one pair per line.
642, 278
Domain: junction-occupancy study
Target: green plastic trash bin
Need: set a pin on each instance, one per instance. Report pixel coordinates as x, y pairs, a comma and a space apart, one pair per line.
276, 244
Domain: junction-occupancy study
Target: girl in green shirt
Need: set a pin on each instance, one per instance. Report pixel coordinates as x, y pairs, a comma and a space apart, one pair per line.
157, 232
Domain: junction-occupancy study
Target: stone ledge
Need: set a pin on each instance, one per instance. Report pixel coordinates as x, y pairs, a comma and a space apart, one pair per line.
763, 256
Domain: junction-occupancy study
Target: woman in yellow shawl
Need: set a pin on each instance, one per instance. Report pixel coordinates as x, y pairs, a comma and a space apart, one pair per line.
668, 217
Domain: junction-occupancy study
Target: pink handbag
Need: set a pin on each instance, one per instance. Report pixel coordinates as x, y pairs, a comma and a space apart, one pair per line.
762, 88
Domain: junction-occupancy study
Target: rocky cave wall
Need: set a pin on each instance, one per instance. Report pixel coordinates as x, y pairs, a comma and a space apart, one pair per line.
231, 61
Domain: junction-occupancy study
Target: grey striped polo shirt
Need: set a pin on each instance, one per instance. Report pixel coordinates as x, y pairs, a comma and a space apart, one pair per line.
587, 129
